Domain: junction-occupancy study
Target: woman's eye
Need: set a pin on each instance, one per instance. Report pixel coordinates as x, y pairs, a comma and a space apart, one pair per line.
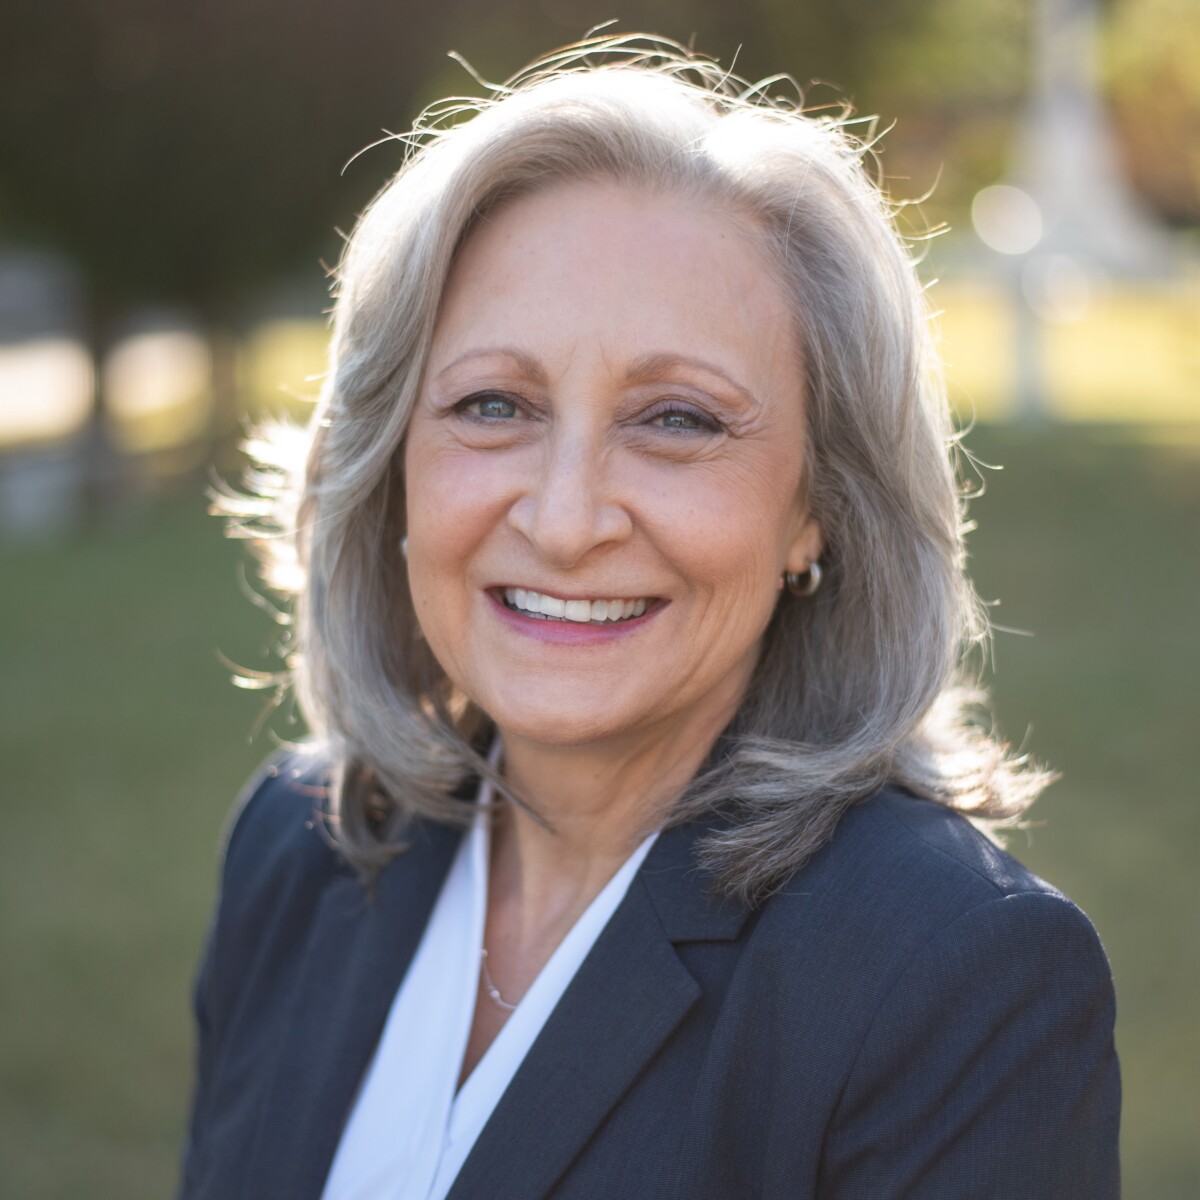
489, 405
684, 420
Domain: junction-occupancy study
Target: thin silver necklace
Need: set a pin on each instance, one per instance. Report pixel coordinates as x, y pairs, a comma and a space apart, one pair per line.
494, 756
488, 986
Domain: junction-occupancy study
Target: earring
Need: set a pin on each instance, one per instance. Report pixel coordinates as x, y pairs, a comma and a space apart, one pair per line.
803, 584
404, 547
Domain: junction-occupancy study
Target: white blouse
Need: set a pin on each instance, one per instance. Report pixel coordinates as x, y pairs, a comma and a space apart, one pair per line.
409, 1132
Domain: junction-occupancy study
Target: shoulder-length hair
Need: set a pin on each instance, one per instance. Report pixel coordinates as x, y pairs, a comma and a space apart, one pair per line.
858, 685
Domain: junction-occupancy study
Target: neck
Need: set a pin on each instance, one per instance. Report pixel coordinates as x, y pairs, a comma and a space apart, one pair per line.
598, 802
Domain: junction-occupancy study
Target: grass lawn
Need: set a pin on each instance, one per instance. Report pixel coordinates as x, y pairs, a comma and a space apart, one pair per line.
123, 745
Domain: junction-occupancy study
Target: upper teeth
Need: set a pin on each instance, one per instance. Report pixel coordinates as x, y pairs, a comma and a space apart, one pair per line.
573, 610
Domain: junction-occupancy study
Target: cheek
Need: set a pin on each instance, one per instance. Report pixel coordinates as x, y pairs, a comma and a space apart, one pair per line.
456, 499
450, 495
729, 522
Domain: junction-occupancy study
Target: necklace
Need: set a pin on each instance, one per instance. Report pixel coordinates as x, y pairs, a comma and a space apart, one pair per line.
488, 986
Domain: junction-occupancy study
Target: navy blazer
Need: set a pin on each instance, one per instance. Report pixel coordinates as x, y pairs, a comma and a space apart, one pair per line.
914, 1015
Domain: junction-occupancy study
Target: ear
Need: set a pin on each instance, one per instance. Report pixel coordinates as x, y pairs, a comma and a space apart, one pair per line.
806, 544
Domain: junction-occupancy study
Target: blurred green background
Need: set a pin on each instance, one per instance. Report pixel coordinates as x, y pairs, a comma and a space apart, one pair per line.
171, 187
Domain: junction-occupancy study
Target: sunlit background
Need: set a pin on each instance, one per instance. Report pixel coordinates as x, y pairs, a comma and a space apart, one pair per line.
173, 178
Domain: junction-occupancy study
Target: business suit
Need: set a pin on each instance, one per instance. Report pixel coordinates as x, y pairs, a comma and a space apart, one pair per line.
915, 1015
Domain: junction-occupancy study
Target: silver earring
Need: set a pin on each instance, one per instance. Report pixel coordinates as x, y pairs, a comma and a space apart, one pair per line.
803, 583
404, 547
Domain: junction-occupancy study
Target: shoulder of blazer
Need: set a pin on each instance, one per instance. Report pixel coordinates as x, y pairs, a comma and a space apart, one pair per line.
903, 863
897, 853
912, 831
274, 836
900, 875
278, 864
275, 864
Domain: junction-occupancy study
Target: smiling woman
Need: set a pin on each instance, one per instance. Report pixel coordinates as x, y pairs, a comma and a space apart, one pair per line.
594, 428
630, 853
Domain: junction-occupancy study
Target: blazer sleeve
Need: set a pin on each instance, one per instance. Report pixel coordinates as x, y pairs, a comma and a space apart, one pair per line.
989, 1069
205, 998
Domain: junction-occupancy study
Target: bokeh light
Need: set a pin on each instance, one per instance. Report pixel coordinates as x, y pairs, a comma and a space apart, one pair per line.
1007, 219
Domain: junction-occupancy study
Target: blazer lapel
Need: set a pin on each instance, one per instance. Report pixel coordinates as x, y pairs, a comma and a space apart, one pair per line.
630, 994
357, 953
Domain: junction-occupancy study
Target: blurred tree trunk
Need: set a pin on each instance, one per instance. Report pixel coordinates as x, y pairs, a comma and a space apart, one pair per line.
102, 466
225, 422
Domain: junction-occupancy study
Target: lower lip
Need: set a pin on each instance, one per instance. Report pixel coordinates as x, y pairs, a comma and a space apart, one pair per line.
571, 633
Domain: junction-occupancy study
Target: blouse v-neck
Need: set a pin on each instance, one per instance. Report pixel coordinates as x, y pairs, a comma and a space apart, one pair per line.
412, 1127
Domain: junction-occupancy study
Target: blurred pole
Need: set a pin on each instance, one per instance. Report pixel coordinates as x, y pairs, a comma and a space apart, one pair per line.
1067, 157
1029, 374
1089, 223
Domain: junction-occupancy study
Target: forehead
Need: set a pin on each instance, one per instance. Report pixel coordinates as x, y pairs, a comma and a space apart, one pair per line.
642, 270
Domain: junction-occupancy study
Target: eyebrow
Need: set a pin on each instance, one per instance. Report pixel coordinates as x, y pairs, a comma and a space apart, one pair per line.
648, 366
526, 362
653, 366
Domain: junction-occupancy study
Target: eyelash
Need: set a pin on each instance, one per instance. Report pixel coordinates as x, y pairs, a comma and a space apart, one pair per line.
705, 423
465, 405
673, 408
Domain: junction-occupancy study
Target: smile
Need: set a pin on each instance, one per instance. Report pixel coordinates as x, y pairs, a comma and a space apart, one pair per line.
582, 612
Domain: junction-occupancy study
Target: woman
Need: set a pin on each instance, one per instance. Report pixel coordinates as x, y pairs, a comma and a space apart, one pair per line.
636, 849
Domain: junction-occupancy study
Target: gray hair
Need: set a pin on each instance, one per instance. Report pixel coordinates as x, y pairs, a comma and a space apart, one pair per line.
861, 684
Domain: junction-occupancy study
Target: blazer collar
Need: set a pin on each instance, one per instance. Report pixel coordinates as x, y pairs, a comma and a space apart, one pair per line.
630, 994
627, 998
684, 897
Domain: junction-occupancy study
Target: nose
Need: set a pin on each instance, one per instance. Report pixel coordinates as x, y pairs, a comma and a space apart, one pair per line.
569, 507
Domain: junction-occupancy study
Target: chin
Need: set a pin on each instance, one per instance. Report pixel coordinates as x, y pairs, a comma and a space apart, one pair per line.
561, 724
559, 730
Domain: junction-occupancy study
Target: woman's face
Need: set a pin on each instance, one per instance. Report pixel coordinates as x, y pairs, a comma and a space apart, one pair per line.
603, 469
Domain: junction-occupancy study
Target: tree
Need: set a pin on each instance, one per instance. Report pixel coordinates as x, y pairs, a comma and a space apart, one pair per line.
184, 153
1153, 69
